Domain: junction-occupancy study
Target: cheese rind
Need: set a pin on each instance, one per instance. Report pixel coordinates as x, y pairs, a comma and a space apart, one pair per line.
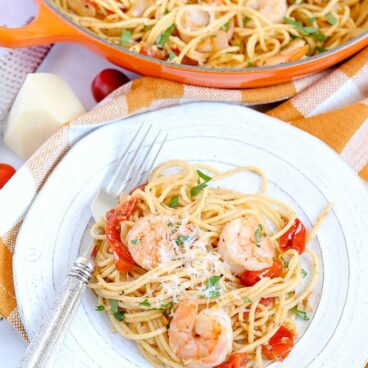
44, 103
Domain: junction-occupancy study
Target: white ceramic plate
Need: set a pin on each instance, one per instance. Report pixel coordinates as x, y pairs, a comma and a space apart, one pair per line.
302, 171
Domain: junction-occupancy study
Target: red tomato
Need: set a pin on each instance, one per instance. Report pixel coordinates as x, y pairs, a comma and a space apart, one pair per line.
122, 258
107, 81
294, 238
153, 53
6, 172
250, 278
280, 345
264, 301
236, 360
188, 61
267, 301
141, 187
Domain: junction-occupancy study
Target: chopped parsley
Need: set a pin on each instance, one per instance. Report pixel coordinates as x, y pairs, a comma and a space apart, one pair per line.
306, 30
202, 175
165, 306
258, 234
172, 55
250, 64
145, 303
246, 300
195, 190
119, 316
331, 19
300, 313
319, 36
125, 37
170, 224
320, 49
285, 262
312, 20
135, 241
174, 202
181, 239
293, 22
114, 305
212, 290
225, 27
100, 308
304, 273
246, 20
163, 37
198, 188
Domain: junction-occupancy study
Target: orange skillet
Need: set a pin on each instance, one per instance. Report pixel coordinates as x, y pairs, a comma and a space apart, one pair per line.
51, 26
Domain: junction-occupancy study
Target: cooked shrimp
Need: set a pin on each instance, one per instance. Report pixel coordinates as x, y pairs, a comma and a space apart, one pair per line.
83, 8
295, 51
218, 41
200, 340
242, 249
194, 19
152, 239
139, 7
273, 10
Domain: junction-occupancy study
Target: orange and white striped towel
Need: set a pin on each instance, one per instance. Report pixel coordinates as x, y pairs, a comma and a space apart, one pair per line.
332, 105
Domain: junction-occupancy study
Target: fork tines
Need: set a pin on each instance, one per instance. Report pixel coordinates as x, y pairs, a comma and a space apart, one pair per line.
138, 160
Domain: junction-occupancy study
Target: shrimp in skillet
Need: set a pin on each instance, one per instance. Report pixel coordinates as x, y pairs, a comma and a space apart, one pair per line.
194, 19
273, 10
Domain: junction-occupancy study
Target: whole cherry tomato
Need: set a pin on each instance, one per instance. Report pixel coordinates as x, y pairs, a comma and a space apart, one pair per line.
294, 238
107, 81
6, 172
250, 278
279, 345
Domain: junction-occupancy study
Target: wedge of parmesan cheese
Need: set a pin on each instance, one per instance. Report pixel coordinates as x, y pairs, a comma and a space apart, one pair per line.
44, 103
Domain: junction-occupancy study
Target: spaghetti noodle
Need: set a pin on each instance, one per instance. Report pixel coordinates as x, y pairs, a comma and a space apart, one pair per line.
222, 33
168, 250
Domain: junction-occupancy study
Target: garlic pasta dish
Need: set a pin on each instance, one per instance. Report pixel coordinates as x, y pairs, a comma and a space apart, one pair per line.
222, 33
201, 276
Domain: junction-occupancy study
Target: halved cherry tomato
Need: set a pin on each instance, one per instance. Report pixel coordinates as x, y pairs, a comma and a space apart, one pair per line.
236, 360
188, 61
141, 187
294, 238
267, 301
122, 258
264, 301
157, 54
106, 81
280, 345
6, 172
250, 278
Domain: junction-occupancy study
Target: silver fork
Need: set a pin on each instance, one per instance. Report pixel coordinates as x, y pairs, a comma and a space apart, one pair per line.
125, 175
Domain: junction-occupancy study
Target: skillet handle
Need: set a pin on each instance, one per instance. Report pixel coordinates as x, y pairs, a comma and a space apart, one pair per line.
47, 27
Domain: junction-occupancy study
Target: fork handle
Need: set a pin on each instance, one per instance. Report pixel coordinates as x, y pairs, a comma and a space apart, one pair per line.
55, 324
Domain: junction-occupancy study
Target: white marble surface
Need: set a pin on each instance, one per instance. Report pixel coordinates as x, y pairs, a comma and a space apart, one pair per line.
77, 66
